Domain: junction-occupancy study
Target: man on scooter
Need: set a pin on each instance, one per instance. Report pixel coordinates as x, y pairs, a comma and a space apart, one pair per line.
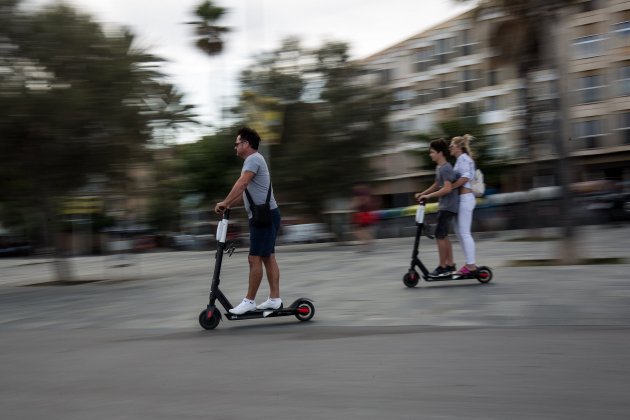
256, 180
447, 207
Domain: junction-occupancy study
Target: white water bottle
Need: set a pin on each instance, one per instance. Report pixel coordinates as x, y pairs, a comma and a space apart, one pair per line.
222, 230
420, 214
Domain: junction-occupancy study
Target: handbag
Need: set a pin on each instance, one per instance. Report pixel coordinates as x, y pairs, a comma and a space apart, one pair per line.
261, 213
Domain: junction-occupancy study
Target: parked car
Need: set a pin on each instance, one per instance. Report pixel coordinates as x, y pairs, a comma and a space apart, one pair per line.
306, 233
13, 246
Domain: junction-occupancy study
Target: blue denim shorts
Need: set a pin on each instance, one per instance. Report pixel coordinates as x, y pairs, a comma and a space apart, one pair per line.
262, 240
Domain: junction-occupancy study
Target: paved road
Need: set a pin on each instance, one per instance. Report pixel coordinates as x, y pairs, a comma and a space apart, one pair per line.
537, 342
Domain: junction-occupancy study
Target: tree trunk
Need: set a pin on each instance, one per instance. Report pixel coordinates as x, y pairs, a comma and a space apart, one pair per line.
63, 269
568, 252
531, 167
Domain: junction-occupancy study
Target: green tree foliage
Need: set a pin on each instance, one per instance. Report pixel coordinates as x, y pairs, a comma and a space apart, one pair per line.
163, 211
210, 166
75, 102
209, 34
330, 120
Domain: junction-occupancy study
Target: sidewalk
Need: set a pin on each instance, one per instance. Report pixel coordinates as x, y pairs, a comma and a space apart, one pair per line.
493, 249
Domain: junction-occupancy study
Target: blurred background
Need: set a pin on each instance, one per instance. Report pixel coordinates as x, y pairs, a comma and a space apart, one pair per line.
96, 153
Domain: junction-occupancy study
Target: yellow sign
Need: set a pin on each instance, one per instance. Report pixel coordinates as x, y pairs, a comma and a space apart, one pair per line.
82, 205
265, 114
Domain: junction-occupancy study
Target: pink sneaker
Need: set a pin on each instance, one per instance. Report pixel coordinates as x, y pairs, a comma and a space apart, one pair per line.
464, 271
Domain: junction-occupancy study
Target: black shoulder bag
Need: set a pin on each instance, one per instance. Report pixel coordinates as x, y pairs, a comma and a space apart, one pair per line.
261, 213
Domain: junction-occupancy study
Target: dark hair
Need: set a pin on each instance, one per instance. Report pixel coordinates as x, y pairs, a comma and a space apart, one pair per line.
250, 135
440, 145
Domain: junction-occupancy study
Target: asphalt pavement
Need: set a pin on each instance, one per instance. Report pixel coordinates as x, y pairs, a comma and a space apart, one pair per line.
123, 342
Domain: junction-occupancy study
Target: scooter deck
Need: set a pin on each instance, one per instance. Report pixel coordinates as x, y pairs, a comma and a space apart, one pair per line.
262, 313
450, 277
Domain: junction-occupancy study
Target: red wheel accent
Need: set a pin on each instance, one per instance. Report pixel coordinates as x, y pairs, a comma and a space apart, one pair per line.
304, 309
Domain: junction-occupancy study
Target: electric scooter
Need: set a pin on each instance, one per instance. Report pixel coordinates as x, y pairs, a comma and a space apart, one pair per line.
411, 278
303, 308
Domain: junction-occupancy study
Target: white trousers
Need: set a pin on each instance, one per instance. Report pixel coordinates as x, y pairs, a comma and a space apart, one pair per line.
467, 204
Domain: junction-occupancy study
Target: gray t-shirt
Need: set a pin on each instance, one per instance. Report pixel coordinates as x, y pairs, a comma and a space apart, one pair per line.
259, 185
450, 201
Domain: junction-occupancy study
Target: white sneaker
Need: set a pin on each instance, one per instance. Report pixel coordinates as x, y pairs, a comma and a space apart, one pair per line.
270, 304
245, 306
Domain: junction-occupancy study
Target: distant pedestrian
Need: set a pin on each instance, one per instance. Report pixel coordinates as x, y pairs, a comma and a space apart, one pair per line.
363, 216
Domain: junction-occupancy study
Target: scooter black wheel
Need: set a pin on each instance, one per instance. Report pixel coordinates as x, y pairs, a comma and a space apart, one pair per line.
209, 323
411, 279
484, 274
305, 310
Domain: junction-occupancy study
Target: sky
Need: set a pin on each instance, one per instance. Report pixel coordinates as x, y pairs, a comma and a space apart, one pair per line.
210, 83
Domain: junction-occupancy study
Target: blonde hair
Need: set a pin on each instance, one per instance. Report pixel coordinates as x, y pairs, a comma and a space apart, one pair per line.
463, 142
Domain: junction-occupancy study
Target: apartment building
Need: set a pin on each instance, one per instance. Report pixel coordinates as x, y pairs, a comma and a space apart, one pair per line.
451, 70
598, 67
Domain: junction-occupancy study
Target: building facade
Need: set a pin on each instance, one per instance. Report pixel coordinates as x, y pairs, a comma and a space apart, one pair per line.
454, 70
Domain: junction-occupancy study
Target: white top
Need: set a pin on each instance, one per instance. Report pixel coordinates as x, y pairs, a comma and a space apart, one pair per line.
465, 167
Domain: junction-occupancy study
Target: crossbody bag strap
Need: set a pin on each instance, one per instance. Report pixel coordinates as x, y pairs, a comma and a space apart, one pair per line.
251, 200
269, 192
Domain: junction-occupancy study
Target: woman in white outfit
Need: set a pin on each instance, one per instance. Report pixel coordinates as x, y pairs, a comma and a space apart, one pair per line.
465, 169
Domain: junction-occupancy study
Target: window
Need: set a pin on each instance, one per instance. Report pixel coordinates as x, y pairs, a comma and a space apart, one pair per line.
589, 89
624, 127
623, 80
622, 29
442, 50
589, 46
495, 149
385, 76
402, 99
423, 96
466, 47
445, 88
589, 6
587, 132
402, 126
467, 110
493, 77
544, 90
492, 103
423, 60
423, 123
467, 79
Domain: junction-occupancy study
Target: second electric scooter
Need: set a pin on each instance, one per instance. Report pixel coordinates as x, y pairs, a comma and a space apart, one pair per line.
303, 308
412, 277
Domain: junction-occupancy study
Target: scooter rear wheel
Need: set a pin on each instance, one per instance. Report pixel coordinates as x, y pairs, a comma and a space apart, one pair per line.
484, 274
411, 278
305, 310
209, 323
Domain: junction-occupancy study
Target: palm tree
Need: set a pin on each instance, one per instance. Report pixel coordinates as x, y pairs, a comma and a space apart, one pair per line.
210, 35
529, 37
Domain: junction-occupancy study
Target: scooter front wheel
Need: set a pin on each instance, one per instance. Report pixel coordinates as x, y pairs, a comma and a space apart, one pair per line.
484, 274
209, 322
305, 310
411, 278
